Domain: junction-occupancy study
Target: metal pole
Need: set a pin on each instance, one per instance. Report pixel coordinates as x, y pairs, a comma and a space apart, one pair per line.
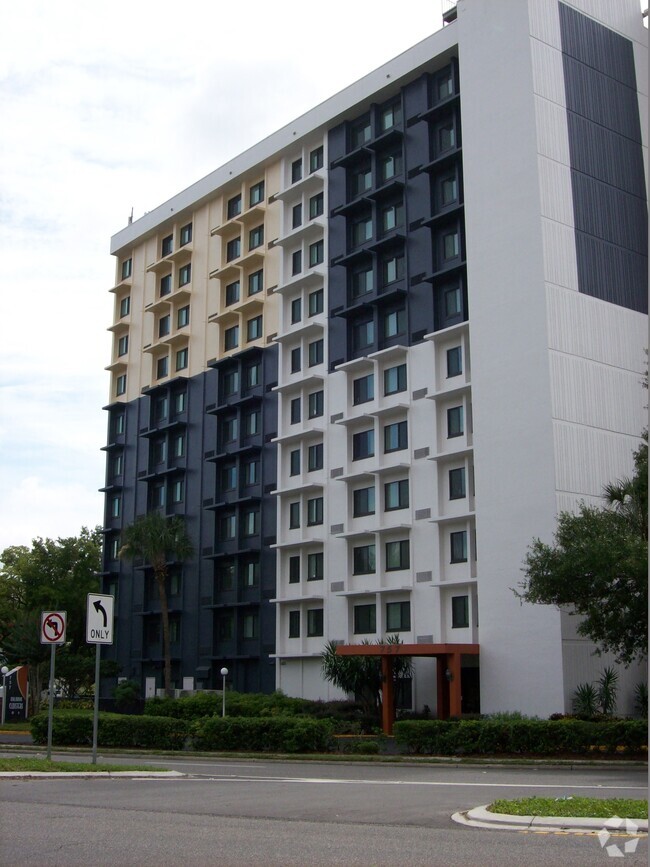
223, 697
96, 710
50, 715
4, 694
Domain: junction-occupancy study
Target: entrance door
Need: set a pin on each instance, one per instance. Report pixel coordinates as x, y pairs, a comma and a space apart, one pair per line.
150, 687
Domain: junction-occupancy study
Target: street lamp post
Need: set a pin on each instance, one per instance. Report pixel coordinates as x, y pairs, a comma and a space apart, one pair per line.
224, 675
4, 671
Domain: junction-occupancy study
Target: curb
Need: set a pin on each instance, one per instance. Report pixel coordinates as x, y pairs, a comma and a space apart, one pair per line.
482, 817
88, 775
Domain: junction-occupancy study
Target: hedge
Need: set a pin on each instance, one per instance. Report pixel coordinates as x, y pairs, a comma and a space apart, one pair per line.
264, 734
70, 728
532, 737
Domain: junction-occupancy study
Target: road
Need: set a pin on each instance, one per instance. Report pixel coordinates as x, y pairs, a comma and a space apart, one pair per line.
236, 812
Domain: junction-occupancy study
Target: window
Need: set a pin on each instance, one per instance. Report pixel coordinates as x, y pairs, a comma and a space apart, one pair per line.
119, 424
250, 576
296, 310
295, 359
231, 338
362, 281
250, 522
459, 612
234, 206
256, 196
448, 190
316, 253
123, 345
252, 423
250, 472
127, 269
225, 626
249, 626
361, 230
395, 436
361, 180
316, 206
181, 359
178, 490
294, 516
165, 285
315, 566
315, 404
396, 495
114, 548
294, 624
314, 622
392, 217
233, 249
398, 616
455, 422
232, 293
390, 116
315, 457
158, 495
252, 374
316, 159
183, 316
444, 85
394, 323
178, 445
184, 275
254, 328
363, 560
315, 302
255, 282
180, 400
458, 544
454, 361
315, 352
256, 237
390, 166
161, 409
296, 262
230, 429
162, 367
451, 245
225, 575
446, 136
228, 478
392, 269
164, 325
296, 171
453, 302
230, 382
363, 502
363, 335
363, 444
158, 452
167, 245
186, 235
314, 511
174, 630
294, 410
365, 619
117, 467
395, 379
360, 132
457, 489
125, 306
294, 569
227, 527
397, 555
116, 506
294, 462
296, 216
363, 389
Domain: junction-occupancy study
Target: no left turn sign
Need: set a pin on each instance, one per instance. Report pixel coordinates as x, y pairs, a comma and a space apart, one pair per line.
53, 627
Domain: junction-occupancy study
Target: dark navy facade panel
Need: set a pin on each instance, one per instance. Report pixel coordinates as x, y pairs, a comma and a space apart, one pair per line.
607, 173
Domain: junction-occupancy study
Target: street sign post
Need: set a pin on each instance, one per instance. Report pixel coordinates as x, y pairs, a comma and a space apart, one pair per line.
99, 630
53, 625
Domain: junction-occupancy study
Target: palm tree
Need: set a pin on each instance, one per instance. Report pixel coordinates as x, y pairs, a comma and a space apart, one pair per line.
629, 496
156, 540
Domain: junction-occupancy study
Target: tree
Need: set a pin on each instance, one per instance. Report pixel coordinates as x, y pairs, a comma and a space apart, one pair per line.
51, 575
156, 540
361, 675
598, 566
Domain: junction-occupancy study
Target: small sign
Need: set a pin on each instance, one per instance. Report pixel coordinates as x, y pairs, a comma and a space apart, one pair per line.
99, 619
53, 627
15, 696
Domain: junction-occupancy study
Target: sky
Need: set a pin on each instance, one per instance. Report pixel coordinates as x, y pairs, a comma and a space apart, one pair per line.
109, 107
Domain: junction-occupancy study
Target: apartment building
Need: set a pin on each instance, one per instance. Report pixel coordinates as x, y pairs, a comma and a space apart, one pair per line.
371, 358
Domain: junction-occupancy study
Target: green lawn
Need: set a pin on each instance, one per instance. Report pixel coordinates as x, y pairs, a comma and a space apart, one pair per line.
36, 764
596, 808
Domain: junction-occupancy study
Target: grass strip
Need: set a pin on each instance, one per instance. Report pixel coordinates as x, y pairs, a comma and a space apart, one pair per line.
595, 808
36, 764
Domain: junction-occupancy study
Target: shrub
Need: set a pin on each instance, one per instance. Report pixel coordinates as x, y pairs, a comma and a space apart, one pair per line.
641, 699
189, 707
268, 734
113, 730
